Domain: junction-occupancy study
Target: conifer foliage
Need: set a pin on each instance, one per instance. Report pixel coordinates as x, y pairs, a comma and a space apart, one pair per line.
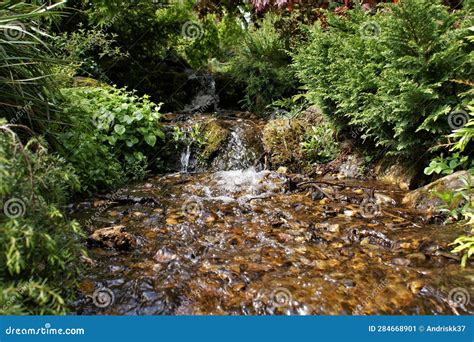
391, 76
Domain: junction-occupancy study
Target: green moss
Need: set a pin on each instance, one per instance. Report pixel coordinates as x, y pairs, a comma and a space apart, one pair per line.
215, 137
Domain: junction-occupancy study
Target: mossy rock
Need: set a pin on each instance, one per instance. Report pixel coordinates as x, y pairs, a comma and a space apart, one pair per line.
425, 197
215, 138
282, 142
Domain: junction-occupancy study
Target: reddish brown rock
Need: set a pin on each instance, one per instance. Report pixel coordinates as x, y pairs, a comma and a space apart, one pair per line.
113, 237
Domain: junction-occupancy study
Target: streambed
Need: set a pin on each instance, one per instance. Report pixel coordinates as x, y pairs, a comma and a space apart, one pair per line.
248, 242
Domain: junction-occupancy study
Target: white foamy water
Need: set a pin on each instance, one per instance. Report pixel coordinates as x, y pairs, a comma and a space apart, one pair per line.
238, 185
246, 182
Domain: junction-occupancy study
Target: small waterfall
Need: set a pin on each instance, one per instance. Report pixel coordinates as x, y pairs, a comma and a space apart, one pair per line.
206, 99
242, 150
185, 156
215, 143
240, 156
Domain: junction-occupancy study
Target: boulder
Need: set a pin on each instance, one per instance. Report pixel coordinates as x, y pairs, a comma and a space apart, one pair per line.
282, 142
313, 115
396, 172
216, 136
113, 237
424, 198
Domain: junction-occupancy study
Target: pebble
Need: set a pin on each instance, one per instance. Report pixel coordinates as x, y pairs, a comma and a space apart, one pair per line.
164, 256
325, 264
384, 199
415, 286
349, 213
211, 219
348, 283
400, 262
419, 257
171, 220
324, 201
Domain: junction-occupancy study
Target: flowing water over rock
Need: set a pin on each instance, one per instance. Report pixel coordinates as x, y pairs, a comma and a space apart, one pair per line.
249, 241
241, 151
206, 100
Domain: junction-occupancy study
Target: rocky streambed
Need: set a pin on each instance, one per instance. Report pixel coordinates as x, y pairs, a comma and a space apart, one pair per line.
248, 241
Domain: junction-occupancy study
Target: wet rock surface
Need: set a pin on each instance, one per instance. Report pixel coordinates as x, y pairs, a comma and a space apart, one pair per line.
425, 198
249, 242
112, 237
228, 142
397, 172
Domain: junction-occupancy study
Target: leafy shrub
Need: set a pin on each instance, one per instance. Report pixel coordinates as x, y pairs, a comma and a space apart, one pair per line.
262, 64
83, 49
463, 138
197, 39
39, 245
113, 136
390, 75
446, 166
458, 204
319, 144
289, 107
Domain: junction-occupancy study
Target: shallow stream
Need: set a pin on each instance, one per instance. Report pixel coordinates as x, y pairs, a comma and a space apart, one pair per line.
247, 242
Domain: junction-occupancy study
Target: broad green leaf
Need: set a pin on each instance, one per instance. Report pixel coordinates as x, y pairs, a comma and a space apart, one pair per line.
150, 139
119, 129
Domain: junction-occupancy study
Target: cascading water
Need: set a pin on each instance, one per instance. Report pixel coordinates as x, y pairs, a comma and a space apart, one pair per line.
242, 149
240, 145
185, 156
206, 99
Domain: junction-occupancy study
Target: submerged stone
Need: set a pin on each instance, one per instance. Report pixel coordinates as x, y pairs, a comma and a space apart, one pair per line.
113, 237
